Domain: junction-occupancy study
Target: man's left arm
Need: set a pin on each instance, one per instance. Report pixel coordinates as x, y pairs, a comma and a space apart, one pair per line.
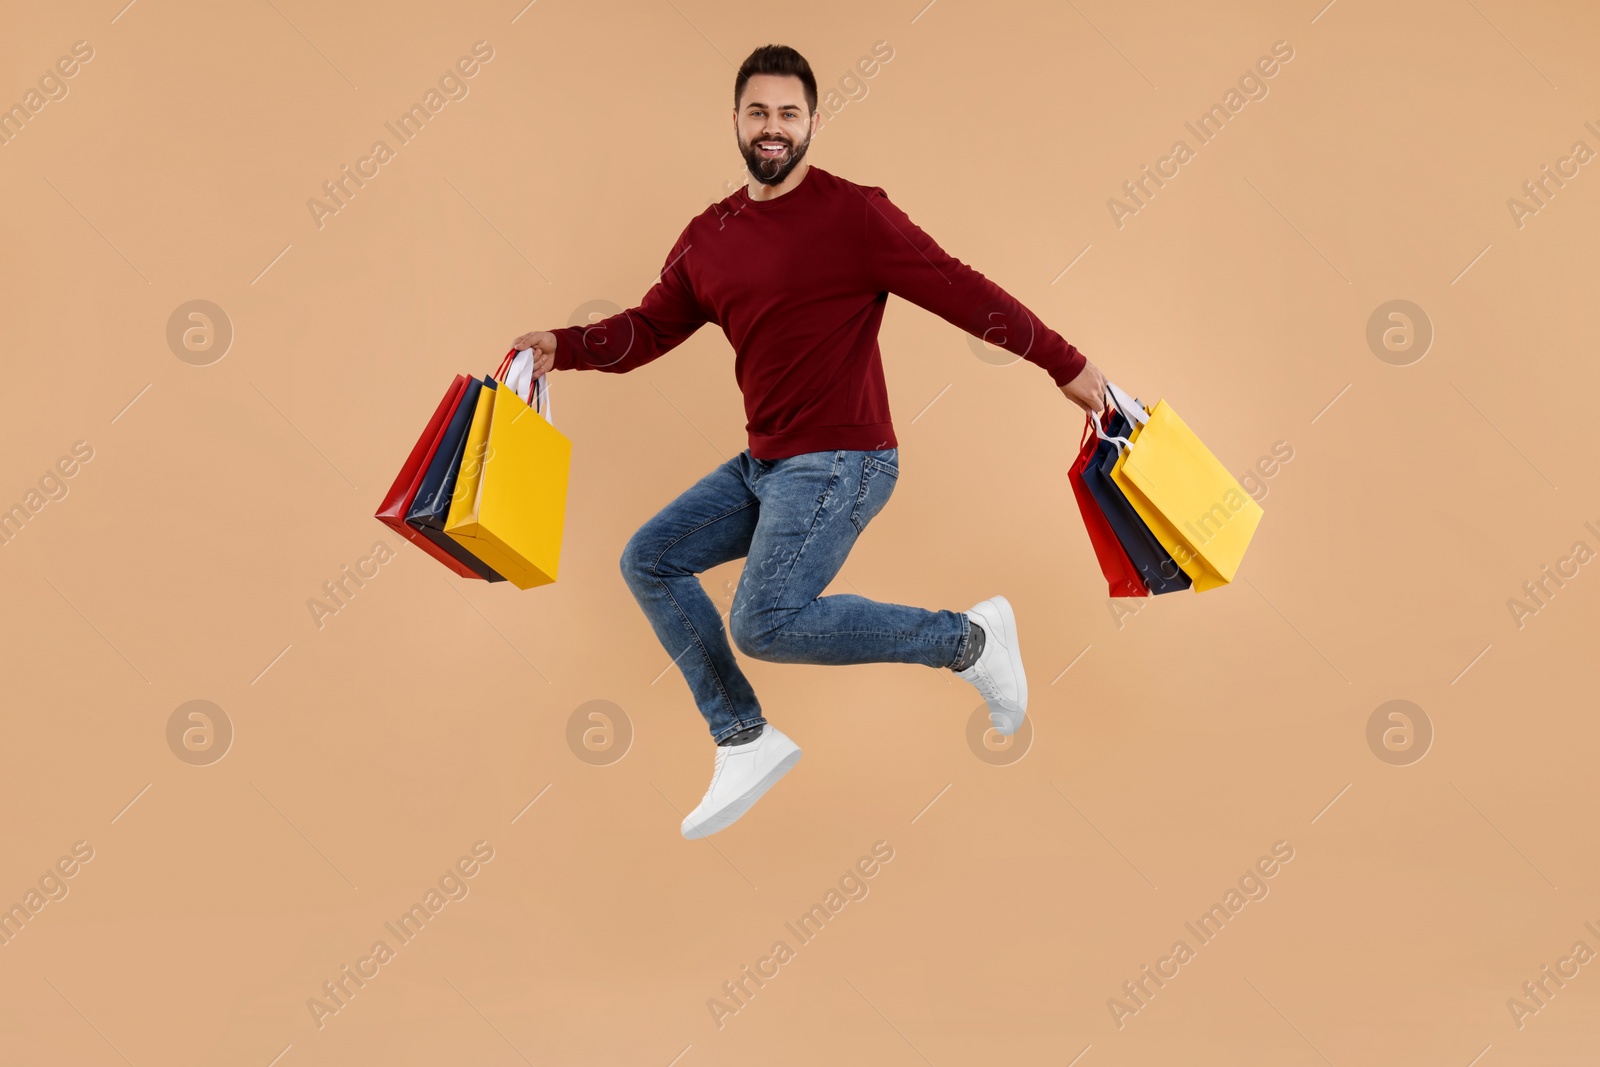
905, 261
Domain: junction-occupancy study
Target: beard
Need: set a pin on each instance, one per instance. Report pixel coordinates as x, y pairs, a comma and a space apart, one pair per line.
773, 170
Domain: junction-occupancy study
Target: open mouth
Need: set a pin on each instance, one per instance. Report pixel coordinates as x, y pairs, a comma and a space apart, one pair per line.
772, 149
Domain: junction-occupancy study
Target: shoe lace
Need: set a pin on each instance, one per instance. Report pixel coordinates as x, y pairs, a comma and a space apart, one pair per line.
984, 681
716, 772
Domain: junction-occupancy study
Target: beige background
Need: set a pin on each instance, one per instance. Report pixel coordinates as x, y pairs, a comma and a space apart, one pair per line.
425, 716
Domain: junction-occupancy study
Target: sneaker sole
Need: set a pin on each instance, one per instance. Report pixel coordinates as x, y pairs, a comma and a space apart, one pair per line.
732, 813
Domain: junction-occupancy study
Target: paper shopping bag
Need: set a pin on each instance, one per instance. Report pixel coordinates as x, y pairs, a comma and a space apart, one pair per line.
392, 512
432, 505
1157, 569
1122, 578
510, 506
1196, 509
469, 476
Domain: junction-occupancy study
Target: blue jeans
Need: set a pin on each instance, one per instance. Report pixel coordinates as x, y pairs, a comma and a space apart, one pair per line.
796, 520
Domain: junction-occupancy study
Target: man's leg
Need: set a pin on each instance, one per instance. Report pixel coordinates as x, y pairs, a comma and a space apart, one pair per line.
813, 507
710, 523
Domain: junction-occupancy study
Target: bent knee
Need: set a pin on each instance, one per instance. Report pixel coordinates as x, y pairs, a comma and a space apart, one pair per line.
649, 558
750, 637
763, 634
636, 563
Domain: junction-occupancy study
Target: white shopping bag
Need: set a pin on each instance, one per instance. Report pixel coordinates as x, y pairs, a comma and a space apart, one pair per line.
535, 393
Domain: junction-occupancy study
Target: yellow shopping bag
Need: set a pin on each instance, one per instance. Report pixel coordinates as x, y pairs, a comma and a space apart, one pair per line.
469, 475
510, 501
1197, 510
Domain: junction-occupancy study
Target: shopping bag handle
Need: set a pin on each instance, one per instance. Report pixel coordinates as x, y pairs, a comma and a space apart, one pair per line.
538, 396
1127, 405
1131, 409
1091, 426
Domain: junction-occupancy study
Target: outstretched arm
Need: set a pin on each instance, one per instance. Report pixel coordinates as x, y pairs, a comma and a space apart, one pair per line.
907, 262
664, 319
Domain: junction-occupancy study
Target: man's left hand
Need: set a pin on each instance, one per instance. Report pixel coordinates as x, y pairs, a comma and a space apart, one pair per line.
1088, 389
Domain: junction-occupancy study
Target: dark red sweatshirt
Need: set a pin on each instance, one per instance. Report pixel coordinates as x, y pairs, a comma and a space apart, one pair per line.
799, 284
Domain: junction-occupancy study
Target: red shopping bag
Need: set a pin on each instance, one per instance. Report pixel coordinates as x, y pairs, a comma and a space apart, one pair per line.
1121, 575
392, 512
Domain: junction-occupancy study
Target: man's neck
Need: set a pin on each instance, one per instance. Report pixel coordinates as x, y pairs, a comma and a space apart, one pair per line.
757, 191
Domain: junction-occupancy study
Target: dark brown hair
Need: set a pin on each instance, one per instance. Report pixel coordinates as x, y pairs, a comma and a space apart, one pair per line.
777, 59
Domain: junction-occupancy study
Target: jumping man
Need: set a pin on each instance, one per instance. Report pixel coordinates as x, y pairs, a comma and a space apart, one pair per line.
797, 267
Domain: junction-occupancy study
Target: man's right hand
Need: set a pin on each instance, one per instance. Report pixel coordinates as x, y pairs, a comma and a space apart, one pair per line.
544, 349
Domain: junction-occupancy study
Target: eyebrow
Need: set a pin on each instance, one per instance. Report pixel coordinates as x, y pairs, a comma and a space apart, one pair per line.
754, 103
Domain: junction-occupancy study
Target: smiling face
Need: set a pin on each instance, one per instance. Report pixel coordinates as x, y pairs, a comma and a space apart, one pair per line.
773, 126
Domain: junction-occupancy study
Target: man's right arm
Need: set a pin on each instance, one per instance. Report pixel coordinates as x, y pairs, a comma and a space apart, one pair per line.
666, 317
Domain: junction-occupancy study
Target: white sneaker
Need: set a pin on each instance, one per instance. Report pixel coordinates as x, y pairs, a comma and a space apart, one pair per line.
998, 672
742, 774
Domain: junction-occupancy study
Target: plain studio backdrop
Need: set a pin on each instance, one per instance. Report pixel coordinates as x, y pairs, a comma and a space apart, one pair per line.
1438, 480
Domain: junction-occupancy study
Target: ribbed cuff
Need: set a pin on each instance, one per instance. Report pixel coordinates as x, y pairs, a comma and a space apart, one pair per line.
1069, 368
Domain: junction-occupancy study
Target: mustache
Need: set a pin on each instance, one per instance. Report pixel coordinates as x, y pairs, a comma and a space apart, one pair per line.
770, 169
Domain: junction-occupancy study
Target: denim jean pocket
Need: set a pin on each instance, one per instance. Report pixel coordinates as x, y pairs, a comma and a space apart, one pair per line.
878, 478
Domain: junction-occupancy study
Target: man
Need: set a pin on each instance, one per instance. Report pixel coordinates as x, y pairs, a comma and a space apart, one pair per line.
796, 268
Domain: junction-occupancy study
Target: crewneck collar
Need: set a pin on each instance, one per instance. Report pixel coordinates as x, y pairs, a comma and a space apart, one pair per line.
805, 183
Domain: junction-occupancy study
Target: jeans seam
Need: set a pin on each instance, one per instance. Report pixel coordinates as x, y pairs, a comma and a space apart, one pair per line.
684, 617
861, 494
966, 638
898, 634
742, 724
673, 543
705, 653
838, 466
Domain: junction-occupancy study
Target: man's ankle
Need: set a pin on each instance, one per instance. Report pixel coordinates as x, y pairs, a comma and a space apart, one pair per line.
743, 737
974, 649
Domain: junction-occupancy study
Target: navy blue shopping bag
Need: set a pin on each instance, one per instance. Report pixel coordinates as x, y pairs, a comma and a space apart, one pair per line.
432, 504
1160, 572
